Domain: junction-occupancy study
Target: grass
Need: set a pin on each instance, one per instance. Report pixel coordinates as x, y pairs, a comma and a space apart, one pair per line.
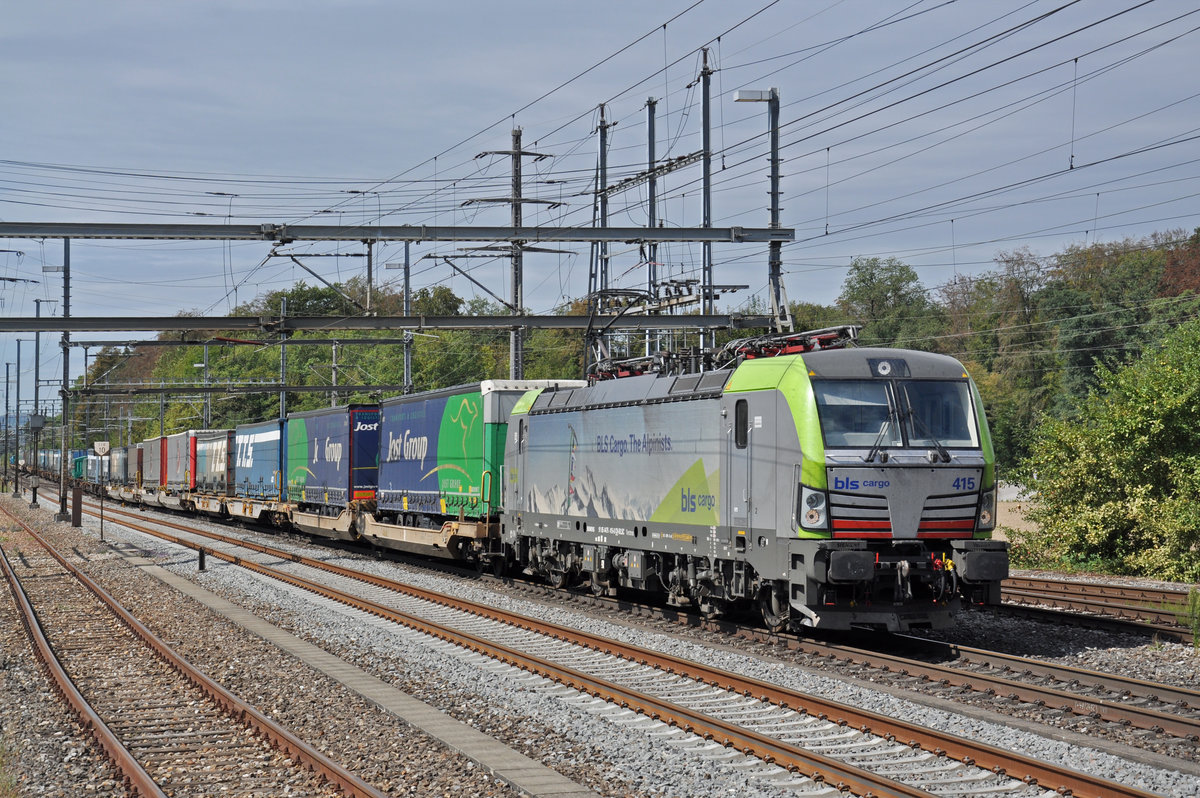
1190, 617
8, 778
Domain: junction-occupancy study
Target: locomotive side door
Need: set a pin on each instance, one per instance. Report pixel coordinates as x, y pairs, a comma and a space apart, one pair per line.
738, 494
514, 460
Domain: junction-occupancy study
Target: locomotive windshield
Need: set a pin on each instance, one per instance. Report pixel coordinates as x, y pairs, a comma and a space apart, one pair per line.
896, 413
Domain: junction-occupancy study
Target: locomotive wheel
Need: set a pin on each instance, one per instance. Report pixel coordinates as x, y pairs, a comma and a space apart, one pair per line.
774, 609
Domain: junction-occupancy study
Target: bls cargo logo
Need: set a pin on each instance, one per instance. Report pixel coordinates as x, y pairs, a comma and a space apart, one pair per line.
689, 502
845, 483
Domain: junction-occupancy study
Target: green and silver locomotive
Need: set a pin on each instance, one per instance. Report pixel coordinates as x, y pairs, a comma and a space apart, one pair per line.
829, 487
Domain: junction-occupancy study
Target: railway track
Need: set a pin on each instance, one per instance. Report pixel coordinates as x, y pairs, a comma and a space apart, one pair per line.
166, 727
860, 751
1154, 610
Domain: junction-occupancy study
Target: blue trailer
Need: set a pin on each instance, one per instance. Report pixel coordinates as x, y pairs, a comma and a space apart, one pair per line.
332, 467
259, 460
256, 491
439, 467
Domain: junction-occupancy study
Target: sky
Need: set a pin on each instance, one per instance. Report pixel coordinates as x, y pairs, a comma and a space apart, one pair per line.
940, 132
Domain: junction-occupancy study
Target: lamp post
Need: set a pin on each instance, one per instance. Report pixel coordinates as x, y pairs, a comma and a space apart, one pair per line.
38, 420
17, 471
779, 306
7, 367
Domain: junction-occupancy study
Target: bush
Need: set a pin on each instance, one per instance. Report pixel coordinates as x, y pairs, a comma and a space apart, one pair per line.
1118, 482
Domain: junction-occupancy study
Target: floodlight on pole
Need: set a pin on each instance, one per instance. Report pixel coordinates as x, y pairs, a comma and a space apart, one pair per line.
779, 306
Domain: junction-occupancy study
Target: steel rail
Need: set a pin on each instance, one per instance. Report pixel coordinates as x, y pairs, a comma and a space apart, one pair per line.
1136, 594
1169, 694
1143, 604
1099, 606
279, 737
135, 778
1062, 615
965, 750
816, 766
1074, 703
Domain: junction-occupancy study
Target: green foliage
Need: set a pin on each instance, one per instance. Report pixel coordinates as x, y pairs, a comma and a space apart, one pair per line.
887, 298
1191, 616
1118, 483
810, 316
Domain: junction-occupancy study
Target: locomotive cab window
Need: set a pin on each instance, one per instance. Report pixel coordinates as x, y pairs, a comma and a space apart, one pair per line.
939, 412
896, 413
741, 424
854, 413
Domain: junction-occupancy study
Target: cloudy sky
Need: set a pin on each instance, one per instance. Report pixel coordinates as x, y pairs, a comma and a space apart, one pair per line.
939, 132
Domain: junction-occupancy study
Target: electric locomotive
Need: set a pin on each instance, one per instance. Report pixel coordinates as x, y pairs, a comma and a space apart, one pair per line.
829, 487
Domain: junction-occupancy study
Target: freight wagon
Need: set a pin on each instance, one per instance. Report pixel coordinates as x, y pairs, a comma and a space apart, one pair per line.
257, 492
213, 470
153, 456
440, 457
332, 467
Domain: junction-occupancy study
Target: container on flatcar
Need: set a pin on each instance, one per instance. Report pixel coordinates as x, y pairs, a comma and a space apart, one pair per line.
333, 455
118, 465
259, 460
440, 456
95, 468
179, 461
214, 466
124, 470
153, 455
441, 451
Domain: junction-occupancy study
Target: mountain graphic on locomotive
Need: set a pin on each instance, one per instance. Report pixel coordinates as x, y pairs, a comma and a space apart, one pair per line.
817, 483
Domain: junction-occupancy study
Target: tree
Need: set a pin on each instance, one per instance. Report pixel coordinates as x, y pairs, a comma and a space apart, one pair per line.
886, 297
1118, 483
1182, 269
812, 316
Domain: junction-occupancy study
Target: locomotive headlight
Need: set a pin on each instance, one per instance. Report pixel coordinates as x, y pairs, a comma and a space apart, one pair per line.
987, 510
812, 506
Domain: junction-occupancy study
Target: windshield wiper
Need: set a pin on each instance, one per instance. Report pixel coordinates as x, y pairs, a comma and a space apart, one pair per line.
943, 453
878, 445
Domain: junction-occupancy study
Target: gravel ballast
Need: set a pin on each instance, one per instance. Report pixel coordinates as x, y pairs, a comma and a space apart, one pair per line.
525, 713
